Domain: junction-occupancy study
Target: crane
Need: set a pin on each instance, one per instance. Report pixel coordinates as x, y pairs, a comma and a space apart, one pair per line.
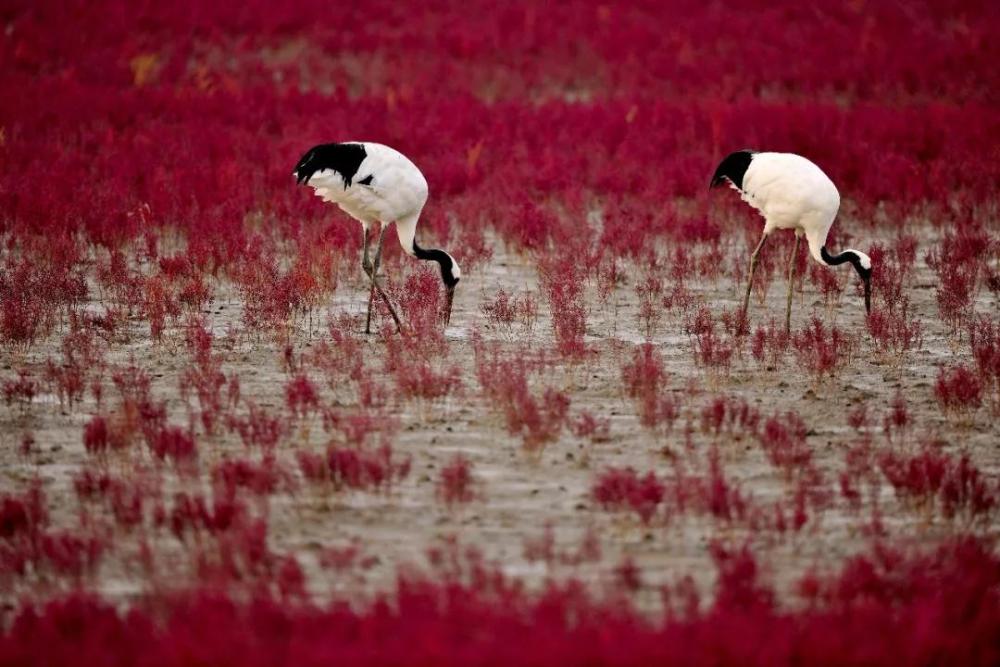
791, 193
375, 183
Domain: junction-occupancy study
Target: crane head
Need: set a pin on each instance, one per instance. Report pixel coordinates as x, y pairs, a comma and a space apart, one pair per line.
863, 265
450, 276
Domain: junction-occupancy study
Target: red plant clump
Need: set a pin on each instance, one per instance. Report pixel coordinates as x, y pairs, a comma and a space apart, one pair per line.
822, 350
829, 283
31, 295
895, 331
769, 344
718, 494
734, 417
783, 438
711, 349
70, 554
562, 277
505, 310
958, 389
873, 611
347, 468
644, 378
259, 428
176, 444
301, 396
421, 303
22, 390
419, 377
261, 478
95, 435
361, 470
649, 290
897, 419
959, 260
539, 420
456, 481
984, 339
932, 476
624, 488
590, 427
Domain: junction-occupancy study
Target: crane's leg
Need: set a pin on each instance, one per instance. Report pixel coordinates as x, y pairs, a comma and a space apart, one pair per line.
366, 264
753, 267
791, 281
375, 287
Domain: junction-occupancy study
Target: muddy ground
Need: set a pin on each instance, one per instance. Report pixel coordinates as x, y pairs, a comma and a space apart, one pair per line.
520, 493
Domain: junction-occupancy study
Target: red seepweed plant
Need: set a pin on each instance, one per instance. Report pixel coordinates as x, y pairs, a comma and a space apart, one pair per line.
958, 390
822, 350
456, 481
142, 185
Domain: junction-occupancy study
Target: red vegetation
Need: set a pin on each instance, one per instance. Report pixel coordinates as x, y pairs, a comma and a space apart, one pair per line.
644, 378
624, 489
822, 350
456, 481
953, 483
301, 396
505, 310
346, 468
984, 339
895, 331
538, 419
153, 246
874, 610
958, 390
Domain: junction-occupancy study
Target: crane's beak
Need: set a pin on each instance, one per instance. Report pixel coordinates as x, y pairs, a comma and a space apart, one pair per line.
868, 293
449, 298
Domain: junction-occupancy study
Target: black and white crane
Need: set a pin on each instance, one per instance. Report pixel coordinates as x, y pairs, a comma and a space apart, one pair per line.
374, 183
791, 193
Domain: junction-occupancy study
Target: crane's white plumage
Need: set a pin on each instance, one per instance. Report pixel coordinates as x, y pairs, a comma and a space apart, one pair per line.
790, 192
372, 183
386, 187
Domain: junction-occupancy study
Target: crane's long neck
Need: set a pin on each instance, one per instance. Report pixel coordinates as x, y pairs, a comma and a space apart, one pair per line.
407, 230
443, 259
861, 262
836, 260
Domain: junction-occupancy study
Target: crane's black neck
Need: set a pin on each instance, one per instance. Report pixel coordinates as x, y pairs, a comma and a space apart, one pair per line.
846, 256
443, 259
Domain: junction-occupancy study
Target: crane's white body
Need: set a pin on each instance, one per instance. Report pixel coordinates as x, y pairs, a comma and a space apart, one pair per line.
374, 183
791, 192
396, 191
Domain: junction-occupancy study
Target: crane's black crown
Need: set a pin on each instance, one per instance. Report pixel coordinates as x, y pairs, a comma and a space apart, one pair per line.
733, 167
345, 159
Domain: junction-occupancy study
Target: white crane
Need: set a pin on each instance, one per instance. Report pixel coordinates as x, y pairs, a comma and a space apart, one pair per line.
375, 183
791, 193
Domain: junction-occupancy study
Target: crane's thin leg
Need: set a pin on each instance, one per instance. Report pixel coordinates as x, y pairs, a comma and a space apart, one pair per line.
791, 281
366, 264
375, 287
753, 267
